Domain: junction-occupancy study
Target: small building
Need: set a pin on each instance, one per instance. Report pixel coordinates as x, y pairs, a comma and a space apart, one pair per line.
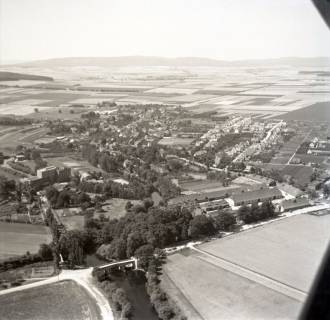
293, 204
19, 157
256, 196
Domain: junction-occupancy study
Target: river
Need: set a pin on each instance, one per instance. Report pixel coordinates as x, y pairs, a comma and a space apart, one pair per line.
133, 282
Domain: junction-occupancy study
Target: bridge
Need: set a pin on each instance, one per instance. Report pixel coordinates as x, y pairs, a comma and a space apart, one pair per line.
132, 262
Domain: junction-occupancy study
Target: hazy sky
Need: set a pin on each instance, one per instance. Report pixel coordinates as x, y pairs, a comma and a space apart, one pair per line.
223, 29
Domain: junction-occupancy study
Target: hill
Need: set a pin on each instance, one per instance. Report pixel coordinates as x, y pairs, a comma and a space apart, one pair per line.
130, 61
12, 76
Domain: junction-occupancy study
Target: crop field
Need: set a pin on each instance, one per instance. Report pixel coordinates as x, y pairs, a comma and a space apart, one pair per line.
300, 173
318, 112
273, 251
221, 294
60, 301
17, 238
22, 135
277, 248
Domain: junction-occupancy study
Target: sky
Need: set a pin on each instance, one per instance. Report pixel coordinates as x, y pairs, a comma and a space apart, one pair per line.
221, 29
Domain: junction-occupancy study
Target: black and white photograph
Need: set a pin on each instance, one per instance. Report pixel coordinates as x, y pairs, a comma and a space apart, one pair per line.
164, 159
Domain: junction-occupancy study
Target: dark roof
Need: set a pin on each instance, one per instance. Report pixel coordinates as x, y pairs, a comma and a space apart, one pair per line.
294, 203
257, 194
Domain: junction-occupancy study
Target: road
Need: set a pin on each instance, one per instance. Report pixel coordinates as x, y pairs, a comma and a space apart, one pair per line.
84, 278
253, 147
299, 147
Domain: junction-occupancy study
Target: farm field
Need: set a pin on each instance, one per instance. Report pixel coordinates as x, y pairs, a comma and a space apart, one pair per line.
17, 238
318, 112
275, 248
266, 93
221, 294
230, 287
60, 301
22, 136
300, 173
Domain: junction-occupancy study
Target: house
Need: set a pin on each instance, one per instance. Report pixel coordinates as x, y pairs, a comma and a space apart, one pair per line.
19, 157
293, 204
256, 196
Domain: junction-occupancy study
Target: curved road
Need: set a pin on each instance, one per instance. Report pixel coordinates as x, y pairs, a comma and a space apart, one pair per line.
82, 277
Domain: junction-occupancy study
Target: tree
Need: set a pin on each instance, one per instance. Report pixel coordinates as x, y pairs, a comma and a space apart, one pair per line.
326, 189
267, 210
63, 199
72, 247
201, 225
35, 154
244, 213
128, 205
145, 254
52, 195
36, 110
45, 252
225, 221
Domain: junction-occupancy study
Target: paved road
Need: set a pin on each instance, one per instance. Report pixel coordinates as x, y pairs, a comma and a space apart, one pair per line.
84, 278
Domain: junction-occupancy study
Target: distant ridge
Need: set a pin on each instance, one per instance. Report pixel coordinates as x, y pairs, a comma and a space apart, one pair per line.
140, 61
12, 76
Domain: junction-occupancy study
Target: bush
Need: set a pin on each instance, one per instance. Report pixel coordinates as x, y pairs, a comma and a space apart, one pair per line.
164, 306
17, 262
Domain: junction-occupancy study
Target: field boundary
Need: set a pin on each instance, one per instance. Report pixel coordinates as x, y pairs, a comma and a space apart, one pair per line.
255, 276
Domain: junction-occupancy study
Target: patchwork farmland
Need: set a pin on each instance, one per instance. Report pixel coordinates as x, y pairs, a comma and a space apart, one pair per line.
290, 94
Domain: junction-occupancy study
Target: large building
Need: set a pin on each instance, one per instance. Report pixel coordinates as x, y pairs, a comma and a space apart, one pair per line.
49, 173
294, 204
256, 196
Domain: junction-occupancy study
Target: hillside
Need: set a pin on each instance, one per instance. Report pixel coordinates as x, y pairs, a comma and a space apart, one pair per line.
183, 61
12, 76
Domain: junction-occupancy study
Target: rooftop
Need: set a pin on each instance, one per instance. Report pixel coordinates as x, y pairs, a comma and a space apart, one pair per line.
256, 194
294, 203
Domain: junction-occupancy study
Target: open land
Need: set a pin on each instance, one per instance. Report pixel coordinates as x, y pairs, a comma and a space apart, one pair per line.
60, 301
265, 93
114, 208
237, 278
18, 238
